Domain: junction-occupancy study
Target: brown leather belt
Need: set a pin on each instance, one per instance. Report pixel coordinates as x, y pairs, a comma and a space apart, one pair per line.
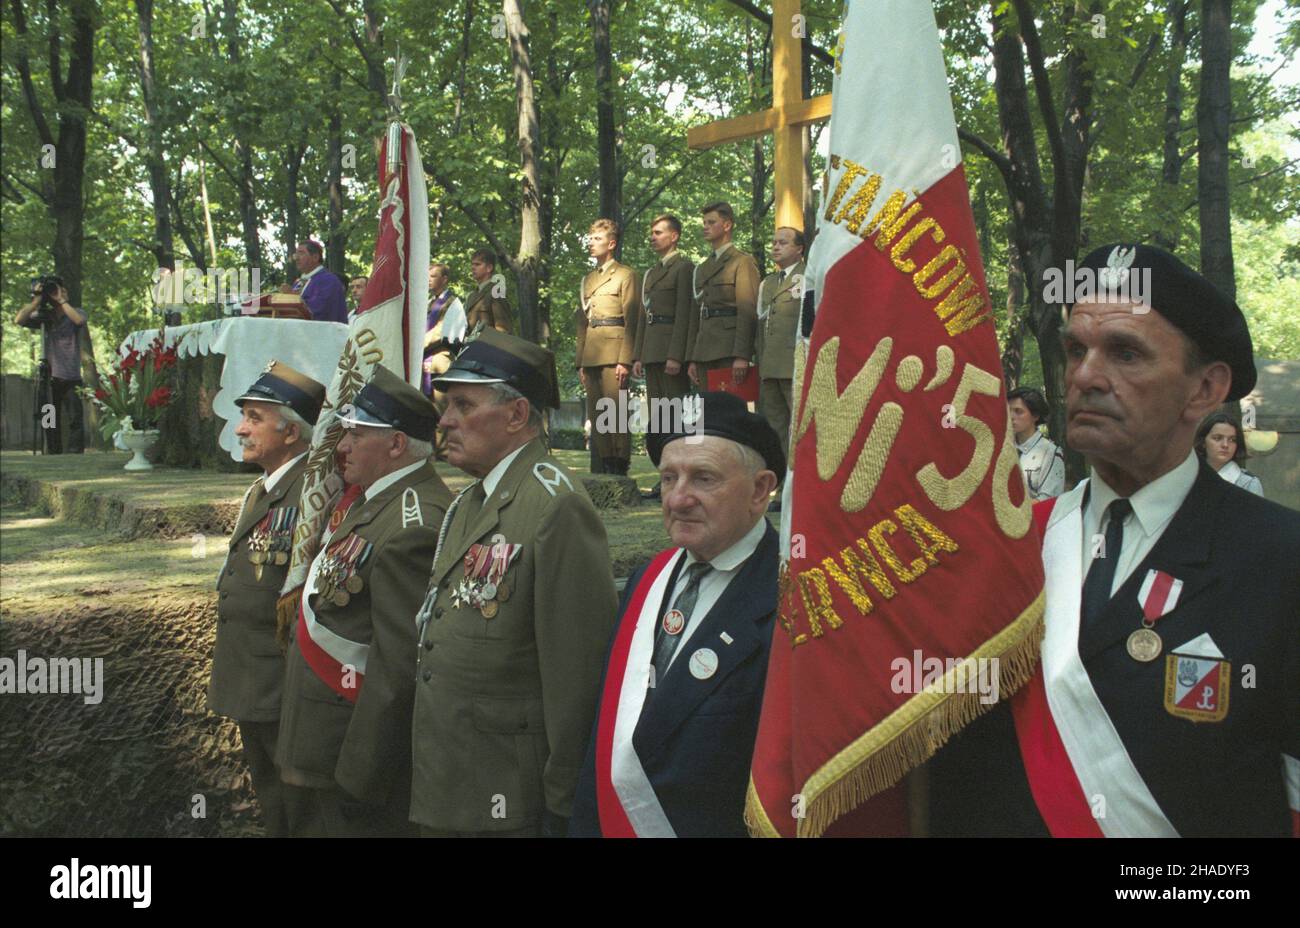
710, 313
652, 319
597, 323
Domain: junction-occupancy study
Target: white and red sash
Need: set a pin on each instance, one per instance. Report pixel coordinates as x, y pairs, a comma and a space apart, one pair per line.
333, 658
1082, 778
625, 800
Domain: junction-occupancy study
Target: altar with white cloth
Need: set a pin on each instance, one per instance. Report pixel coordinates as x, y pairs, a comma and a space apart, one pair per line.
216, 361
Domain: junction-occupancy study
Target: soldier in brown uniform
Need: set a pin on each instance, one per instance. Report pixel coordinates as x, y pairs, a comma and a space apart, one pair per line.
666, 318
274, 431
780, 297
484, 306
607, 330
517, 617
345, 726
721, 333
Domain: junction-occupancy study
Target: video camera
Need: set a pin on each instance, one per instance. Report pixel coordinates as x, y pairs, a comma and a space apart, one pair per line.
47, 288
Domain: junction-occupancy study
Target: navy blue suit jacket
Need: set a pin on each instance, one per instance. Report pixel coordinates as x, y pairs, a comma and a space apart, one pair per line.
695, 738
1236, 555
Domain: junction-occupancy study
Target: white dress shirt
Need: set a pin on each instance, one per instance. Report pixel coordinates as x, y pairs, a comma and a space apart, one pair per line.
726, 566
496, 473
1154, 507
278, 474
389, 479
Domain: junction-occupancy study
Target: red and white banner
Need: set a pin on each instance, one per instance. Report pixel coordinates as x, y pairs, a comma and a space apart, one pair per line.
388, 330
911, 594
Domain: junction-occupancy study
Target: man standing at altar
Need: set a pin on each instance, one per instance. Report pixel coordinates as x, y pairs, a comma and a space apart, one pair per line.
278, 413
318, 286
345, 726
685, 672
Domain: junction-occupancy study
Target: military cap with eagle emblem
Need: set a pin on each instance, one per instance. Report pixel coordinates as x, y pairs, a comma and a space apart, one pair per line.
389, 402
282, 385
495, 357
1189, 301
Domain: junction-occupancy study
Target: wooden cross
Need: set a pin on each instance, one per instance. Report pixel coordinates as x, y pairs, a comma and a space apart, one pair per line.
786, 120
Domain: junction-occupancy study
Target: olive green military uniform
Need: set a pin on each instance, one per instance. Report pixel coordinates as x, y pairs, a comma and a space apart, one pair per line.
665, 322
247, 663
780, 299
492, 311
506, 689
606, 336
722, 325
349, 761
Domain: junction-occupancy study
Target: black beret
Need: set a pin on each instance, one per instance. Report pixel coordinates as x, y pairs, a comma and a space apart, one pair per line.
388, 401
282, 385
1189, 301
723, 415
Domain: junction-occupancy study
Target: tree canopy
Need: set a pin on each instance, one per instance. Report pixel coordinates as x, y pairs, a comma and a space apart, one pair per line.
271, 111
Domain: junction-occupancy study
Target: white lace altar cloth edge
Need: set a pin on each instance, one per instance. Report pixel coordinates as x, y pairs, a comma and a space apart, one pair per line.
249, 346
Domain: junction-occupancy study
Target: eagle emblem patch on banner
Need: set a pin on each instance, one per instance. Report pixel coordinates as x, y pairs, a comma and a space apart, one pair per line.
1196, 688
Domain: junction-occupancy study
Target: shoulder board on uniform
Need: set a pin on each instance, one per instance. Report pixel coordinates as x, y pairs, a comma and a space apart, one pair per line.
411, 508
550, 476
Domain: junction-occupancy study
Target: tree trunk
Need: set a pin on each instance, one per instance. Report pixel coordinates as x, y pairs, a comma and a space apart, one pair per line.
526, 261
336, 245
1213, 118
248, 213
1171, 169
1032, 213
611, 194
1013, 353
293, 155
64, 194
163, 245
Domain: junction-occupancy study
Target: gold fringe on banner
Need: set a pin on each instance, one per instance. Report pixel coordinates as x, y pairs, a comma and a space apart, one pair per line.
286, 614
910, 735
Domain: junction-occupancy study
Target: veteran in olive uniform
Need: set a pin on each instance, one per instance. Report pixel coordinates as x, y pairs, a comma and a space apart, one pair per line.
275, 427
484, 309
780, 297
606, 341
660, 353
721, 332
346, 720
517, 616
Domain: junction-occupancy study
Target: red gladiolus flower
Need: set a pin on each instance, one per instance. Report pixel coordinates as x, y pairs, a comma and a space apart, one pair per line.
159, 397
101, 394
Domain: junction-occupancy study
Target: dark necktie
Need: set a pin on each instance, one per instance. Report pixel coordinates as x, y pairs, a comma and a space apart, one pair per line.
666, 644
1101, 575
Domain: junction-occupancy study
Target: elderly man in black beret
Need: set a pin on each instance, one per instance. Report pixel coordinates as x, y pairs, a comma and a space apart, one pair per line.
683, 683
1170, 681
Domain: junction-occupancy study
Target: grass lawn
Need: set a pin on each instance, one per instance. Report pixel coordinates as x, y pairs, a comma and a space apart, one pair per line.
49, 564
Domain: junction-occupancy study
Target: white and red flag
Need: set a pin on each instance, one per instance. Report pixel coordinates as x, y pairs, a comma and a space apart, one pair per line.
388, 330
911, 595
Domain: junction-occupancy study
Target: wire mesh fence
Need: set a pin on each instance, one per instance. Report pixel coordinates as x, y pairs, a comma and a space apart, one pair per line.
147, 759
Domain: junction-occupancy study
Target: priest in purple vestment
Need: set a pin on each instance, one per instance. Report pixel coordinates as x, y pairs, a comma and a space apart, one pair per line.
320, 289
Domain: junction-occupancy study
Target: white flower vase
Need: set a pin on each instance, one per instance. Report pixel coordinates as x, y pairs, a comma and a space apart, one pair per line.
138, 442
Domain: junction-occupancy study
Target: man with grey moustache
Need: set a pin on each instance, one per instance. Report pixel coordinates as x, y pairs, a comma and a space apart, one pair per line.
277, 416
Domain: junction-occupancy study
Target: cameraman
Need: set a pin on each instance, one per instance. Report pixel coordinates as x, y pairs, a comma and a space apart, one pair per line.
63, 325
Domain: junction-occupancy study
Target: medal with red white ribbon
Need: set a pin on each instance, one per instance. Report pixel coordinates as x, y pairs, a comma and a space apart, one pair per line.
1158, 596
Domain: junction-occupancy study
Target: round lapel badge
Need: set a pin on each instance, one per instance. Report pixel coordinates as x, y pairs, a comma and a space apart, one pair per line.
674, 621
704, 664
